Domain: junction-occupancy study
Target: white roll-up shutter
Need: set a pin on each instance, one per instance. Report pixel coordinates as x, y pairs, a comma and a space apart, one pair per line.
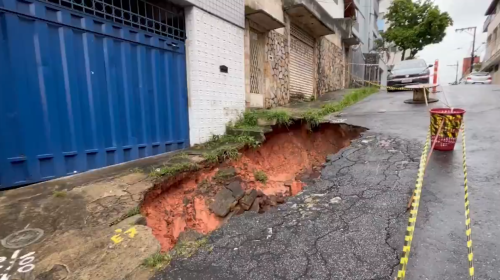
301, 63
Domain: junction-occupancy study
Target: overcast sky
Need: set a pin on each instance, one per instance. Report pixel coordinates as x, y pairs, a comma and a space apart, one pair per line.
465, 13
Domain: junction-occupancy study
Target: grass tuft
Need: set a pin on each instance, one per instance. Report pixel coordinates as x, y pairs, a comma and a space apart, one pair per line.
172, 170
314, 117
59, 194
221, 154
132, 212
260, 176
158, 261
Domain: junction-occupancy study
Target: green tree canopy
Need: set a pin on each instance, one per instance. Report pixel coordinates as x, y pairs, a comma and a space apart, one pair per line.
414, 25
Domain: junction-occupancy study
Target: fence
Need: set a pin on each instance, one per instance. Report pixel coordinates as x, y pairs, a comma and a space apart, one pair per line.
361, 75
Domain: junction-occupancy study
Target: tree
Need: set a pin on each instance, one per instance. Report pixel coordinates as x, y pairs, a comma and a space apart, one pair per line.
414, 25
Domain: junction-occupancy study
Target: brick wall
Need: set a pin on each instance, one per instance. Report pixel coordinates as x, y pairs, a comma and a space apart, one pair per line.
215, 98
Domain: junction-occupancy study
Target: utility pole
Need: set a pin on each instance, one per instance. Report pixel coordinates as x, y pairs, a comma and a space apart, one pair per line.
456, 77
473, 43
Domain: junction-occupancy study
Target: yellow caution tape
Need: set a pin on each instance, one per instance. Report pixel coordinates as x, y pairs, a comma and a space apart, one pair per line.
468, 230
412, 220
379, 85
410, 229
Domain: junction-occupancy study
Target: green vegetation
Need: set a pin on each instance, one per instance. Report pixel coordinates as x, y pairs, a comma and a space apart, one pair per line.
172, 170
313, 116
260, 176
59, 194
414, 25
221, 154
218, 140
158, 261
186, 249
132, 212
251, 118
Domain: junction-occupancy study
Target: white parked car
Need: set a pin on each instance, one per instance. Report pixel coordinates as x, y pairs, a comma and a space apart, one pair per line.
478, 78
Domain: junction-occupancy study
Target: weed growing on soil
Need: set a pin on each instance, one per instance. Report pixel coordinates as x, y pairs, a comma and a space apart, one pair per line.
260, 176
59, 194
172, 170
313, 117
221, 154
158, 261
218, 140
186, 249
132, 212
251, 118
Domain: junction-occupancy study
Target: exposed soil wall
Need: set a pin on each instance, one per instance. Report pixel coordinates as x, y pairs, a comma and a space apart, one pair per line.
284, 157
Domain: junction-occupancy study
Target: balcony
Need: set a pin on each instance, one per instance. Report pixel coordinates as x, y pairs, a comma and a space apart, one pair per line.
353, 37
311, 16
487, 22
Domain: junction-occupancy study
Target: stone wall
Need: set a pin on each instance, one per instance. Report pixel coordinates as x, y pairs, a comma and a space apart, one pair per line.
330, 66
276, 70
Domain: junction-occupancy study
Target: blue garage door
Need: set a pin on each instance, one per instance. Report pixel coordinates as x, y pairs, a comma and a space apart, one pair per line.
86, 84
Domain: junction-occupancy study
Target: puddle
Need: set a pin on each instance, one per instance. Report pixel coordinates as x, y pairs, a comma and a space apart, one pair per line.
290, 157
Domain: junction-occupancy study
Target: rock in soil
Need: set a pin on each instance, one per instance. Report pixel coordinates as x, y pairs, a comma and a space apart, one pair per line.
236, 189
223, 202
225, 174
131, 221
260, 193
255, 206
238, 210
247, 201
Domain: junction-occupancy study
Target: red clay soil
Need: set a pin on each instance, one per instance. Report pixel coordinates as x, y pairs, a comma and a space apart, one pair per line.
285, 154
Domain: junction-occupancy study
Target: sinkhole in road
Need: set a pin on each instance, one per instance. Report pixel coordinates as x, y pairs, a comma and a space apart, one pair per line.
260, 179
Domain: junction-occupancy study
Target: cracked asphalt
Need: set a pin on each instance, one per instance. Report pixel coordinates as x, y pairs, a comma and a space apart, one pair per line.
316, 235
350, 223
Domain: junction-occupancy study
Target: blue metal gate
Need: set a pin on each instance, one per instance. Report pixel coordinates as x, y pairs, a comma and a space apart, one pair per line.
80, 92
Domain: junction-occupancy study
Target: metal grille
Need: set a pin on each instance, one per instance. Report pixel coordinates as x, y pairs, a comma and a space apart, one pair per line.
161, 18
256, 63
301, 35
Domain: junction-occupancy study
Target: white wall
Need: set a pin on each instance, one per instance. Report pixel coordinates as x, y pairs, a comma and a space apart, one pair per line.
230, 10
335, 10
215, 98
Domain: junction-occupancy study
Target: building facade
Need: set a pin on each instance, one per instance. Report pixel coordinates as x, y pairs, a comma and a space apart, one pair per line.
123, 80
296, 49
492, 55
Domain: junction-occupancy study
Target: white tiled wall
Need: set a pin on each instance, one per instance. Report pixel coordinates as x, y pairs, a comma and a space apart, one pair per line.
230, 10
215, 98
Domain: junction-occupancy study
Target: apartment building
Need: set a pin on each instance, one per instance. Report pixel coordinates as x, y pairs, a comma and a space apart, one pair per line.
492, 27
377, 70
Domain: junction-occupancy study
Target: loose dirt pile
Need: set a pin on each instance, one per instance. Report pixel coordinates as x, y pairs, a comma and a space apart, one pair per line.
275, 170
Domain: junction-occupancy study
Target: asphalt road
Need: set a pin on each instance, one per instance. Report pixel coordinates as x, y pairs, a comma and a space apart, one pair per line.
316, 235
439, 247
